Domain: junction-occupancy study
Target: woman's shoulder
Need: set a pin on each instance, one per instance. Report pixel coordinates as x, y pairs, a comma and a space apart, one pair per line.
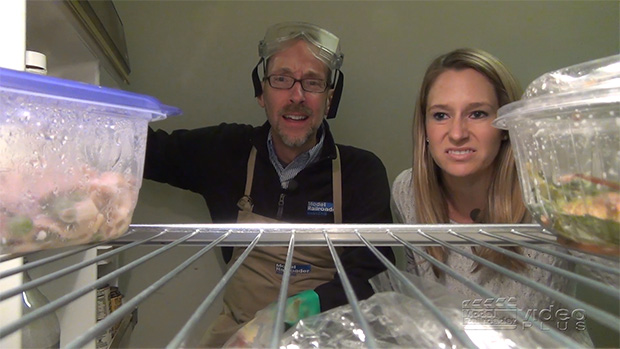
403, 204
402, 183
402, 188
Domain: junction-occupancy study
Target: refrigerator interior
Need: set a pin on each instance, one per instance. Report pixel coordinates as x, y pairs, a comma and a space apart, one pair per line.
169, 273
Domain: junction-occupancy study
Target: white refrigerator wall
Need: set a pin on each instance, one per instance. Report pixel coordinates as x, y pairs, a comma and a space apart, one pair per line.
198, 55
13, 41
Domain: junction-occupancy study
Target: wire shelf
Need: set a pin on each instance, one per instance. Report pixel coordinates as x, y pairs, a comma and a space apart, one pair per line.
413, 237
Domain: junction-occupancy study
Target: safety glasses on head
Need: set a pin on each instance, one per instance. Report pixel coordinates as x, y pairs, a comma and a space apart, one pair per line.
325, 46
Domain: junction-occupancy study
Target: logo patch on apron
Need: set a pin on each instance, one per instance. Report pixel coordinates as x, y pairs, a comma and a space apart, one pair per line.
295, 269
316, 208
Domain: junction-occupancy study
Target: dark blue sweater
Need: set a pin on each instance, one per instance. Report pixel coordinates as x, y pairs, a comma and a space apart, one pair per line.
212, 162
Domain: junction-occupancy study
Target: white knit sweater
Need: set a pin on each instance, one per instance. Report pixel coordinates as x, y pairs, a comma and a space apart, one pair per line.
499, 284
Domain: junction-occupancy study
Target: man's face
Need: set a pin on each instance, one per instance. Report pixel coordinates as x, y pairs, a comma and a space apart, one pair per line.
295, 115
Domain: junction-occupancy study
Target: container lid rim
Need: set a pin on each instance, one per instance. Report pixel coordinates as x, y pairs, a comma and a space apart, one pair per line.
512, 112
57, 87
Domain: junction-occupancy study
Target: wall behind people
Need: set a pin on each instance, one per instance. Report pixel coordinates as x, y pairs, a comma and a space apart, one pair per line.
198, 55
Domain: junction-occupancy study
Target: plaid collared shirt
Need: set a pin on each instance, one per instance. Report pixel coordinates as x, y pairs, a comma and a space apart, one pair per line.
302, 161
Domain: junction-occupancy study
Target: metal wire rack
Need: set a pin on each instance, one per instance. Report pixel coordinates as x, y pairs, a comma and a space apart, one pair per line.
412, 237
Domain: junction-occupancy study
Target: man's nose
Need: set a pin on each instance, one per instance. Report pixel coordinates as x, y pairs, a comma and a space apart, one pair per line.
298, 94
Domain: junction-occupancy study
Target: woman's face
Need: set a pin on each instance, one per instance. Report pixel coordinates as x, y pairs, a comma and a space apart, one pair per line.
460, 108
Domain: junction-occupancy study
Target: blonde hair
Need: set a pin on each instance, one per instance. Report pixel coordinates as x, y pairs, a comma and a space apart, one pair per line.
505, 203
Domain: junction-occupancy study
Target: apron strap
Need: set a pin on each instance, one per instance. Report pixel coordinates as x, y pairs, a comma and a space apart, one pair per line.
250, 176
245, 203
337, 187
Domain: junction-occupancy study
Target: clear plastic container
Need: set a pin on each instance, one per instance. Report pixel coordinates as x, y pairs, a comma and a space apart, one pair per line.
566, 138
71, 160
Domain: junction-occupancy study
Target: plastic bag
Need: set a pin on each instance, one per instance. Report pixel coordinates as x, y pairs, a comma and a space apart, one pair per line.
388, 315
257, 332
398, 320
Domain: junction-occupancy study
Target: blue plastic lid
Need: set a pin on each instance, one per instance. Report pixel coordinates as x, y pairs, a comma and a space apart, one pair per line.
79, 91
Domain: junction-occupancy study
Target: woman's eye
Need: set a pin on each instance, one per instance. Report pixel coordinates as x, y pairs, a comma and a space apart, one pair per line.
440, 116
478, 114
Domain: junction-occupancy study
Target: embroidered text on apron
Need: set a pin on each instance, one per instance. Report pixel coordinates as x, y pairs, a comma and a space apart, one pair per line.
257, 282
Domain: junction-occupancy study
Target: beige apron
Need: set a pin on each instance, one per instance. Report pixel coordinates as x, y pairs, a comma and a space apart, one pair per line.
257, 282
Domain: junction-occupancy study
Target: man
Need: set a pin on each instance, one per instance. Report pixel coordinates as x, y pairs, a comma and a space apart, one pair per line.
287, 170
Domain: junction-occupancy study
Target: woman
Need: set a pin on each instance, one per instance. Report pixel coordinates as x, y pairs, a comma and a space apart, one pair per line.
464, 172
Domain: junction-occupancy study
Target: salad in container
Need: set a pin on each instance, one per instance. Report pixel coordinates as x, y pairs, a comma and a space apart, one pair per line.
71, 160
565, 133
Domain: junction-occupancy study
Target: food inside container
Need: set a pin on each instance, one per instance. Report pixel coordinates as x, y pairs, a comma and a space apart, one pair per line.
566, 138
71, 160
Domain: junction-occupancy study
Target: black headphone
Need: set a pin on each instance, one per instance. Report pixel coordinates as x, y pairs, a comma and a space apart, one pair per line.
337, 86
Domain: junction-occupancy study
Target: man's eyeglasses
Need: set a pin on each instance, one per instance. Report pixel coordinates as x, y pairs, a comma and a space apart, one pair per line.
283, 82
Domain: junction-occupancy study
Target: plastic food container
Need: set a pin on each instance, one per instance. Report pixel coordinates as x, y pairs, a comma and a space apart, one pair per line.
566, 138
71, 160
